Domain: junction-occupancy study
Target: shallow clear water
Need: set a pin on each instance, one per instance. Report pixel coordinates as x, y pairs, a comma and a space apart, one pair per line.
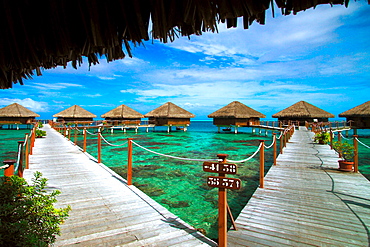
180, 185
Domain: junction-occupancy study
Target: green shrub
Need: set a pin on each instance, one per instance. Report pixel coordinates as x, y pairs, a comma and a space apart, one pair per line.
322, 137
27, 213
40, 133
345, 150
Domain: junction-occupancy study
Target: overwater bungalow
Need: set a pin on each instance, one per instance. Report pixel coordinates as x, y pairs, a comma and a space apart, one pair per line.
302, 112
359, 116
123, 115
170, 115
235, 115
75, 114
16, 114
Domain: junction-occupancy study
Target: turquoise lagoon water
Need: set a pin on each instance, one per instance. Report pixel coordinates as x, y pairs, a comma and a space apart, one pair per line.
9, 144
180, 185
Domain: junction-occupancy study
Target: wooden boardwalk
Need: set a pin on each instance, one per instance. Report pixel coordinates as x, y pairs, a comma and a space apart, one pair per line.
105, 211
306, 202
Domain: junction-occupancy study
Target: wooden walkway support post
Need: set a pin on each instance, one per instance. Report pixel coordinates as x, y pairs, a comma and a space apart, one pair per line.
84, 146
274, 140
355, 158
99, 146
262, 163
222, 208
9, 171
129, 161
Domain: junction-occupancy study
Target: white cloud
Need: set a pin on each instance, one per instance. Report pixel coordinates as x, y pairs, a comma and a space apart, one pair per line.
53, 86
29, 103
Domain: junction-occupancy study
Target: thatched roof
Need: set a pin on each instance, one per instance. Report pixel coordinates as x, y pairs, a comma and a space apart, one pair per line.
17, 110
122, 111
302, 109
169, 110
37, 35
236, 110
362, 110
74, 112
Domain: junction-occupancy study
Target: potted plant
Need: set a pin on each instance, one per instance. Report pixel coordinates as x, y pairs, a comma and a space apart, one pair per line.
322, 137
346, 153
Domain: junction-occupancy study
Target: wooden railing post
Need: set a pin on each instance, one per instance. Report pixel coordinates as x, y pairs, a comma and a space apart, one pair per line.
331, 138
355, 158
20, 167
9, 171
262, 163
281, 142
75, 132
274, 140
69, 132
84, 140
222, 209
27, 151
129, 161
99, 146
339, 136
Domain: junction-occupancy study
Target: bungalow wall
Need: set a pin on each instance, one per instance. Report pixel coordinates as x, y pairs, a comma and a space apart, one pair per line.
22, 120
66, 119
236, 121
169, 121
123, 121
359, 122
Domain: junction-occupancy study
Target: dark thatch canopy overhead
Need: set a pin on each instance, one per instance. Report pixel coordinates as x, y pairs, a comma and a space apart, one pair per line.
43, 34
122, 111
74, 112
362, 110
17, 110
169, 110
236, 110
302, 109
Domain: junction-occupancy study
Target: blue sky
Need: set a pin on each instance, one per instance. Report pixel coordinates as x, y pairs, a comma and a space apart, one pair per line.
321, 56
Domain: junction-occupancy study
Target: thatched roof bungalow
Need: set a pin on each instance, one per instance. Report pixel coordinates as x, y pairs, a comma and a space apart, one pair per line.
169, 115
71, 30
302, 112
74, 114
359, 116
123, 115
236, 115
17, 114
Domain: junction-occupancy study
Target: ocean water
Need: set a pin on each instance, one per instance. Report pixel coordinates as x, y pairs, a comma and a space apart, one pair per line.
9, 143
180, 185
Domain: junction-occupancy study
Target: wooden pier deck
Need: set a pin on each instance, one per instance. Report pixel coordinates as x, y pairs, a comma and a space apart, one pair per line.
105, 210
306, 202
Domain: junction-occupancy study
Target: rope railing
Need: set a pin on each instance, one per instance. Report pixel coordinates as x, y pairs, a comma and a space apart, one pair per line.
4, 167
93, 134
170, 156
272, 144
110, 144
362, 143
344, 137
250, 157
